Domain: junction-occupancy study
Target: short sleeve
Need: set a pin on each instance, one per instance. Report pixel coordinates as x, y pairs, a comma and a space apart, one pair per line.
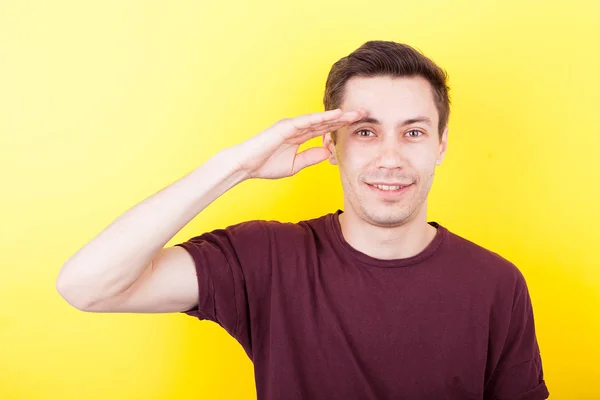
223, 258
515, 365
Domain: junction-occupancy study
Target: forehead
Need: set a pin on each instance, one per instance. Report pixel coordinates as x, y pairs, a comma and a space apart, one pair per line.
390, 98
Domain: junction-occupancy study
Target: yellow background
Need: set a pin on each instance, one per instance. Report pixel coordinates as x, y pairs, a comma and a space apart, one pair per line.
104, 103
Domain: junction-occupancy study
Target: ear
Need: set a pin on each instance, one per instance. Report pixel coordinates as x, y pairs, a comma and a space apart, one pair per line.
443, 146
329, 145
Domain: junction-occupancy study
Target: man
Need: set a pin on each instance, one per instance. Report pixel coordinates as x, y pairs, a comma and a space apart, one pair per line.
373, 302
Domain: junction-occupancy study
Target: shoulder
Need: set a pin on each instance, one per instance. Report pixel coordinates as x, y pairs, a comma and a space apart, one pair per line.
262, 231
486, 265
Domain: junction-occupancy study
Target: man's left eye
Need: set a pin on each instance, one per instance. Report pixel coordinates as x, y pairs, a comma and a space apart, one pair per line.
414, 131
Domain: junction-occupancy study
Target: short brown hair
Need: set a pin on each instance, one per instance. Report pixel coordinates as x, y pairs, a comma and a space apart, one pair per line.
377, 58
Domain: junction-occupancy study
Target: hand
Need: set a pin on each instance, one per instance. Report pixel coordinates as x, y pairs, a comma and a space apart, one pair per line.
272, 154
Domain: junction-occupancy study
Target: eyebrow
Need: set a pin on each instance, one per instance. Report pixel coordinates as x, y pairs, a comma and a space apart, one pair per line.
371, 120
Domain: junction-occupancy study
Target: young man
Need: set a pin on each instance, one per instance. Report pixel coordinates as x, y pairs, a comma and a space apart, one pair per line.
373, 302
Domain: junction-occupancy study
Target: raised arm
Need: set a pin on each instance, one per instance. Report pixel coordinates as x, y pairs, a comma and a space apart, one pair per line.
126, 267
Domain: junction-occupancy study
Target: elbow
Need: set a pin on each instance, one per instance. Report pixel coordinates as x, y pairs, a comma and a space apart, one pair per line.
72, 293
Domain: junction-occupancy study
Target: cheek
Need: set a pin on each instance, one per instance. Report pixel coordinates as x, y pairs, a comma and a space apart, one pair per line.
358, 161
423, 161
425, 165
354, 162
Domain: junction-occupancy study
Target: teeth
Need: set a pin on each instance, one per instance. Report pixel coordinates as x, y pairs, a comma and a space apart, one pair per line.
386, 187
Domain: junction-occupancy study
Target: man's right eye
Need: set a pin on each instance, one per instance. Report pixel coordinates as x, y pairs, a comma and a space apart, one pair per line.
359, 132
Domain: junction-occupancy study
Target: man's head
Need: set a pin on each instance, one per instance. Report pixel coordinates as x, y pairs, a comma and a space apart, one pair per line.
402, 137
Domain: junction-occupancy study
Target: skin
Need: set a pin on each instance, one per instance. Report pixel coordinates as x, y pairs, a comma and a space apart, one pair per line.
127, 268
387, 151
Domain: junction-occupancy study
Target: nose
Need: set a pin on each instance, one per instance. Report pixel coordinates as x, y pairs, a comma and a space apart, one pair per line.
390, 154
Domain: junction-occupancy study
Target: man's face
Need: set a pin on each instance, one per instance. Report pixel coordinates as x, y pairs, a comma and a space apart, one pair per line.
386, 147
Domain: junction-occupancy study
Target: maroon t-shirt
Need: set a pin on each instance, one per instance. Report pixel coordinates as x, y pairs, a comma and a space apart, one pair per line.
322, 320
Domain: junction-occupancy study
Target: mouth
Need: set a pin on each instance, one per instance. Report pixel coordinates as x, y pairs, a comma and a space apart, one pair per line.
389, 190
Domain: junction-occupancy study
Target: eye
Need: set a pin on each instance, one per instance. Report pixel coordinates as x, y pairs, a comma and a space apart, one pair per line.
363, 131
414, 131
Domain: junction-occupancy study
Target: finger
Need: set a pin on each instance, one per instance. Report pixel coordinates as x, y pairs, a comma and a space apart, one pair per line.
344, 119
307, 120
312, 134
325, 128
306, 135
309, 157
318, 129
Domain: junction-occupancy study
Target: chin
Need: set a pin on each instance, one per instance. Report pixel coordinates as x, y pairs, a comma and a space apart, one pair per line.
386, 216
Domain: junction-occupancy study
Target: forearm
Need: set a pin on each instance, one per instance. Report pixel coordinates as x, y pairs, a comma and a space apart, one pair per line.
114, 259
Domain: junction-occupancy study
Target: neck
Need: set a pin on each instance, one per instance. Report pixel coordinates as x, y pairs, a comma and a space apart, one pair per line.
387, 243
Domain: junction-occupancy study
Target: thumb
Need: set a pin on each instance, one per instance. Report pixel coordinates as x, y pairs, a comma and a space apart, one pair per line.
310, 157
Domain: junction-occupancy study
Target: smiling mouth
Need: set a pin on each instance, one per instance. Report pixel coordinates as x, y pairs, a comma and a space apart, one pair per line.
389, 189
